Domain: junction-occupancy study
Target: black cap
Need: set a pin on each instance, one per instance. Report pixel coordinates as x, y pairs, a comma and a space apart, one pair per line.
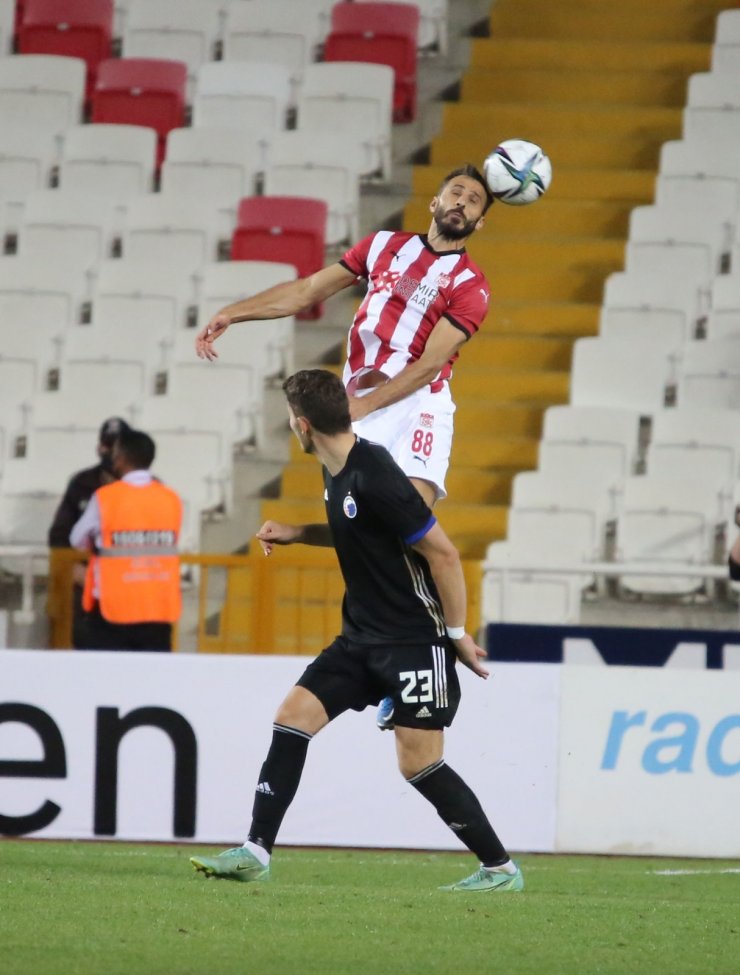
111, 430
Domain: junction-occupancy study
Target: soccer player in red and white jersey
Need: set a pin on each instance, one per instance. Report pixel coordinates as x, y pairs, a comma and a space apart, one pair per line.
425, 298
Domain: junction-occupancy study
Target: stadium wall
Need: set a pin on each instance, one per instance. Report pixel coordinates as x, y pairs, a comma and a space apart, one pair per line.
564, 758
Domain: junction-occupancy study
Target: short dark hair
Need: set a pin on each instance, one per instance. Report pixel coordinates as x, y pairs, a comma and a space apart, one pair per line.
468, 169
137, 447
321, 398
111, 430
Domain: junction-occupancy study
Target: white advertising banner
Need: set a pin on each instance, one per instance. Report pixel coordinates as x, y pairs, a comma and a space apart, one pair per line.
159, 747
649, 761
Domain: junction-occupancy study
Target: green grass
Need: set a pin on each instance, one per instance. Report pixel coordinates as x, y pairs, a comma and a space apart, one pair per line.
124, 909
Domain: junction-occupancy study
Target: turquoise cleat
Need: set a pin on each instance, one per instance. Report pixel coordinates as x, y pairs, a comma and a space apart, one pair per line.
483, 880
235, 864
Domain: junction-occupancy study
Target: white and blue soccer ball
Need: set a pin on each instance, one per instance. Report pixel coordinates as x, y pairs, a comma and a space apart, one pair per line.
517, 172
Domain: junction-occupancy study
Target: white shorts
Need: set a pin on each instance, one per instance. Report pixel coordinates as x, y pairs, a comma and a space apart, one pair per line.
417, 432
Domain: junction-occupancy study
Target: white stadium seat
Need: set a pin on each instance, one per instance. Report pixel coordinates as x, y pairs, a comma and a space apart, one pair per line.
27, 154
79, 226
279, 31
663, 522
709, 374
713, 90
252, 96
183, 229
117, 161
717, 129
695, 442
42, 90
599, 444
723, 318
157, 293
526, 596
355, 99
667, 228
626, 374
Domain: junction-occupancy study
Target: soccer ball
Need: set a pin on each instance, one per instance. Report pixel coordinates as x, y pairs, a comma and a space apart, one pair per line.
517, 172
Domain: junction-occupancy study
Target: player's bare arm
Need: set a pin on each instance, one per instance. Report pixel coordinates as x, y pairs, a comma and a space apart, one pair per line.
443, 342
277, 533
281, 301
446, 568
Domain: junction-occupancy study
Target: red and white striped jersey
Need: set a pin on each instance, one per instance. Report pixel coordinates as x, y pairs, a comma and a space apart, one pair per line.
410, 287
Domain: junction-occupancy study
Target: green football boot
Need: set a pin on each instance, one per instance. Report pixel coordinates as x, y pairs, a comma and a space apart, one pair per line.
235, 864
483, 880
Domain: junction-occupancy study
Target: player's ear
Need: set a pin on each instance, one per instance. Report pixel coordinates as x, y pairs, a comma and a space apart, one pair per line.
434, 204
481, 223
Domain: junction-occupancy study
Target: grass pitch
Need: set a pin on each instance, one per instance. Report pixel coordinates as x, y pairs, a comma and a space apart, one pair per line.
122, 909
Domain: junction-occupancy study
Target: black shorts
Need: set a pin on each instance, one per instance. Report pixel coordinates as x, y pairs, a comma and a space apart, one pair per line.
421, 679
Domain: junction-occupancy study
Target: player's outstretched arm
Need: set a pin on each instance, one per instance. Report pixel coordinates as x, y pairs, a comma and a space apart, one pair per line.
446, 568
281, 301
276, 533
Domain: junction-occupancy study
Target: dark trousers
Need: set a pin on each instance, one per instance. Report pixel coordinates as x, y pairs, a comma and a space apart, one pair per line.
94, 632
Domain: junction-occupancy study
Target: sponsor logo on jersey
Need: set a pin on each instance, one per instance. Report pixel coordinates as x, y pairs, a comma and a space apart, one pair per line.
349, 506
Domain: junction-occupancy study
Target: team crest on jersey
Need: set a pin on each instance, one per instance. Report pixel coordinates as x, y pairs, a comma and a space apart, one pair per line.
349, 506
444, 280
426, 420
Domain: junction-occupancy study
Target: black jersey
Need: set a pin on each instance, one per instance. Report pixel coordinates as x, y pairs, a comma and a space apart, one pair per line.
375, 514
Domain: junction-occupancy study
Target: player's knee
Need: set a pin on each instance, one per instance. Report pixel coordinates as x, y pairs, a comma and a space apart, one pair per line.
302, 710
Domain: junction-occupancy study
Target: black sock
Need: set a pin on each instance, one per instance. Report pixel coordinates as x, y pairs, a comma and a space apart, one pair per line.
278, 783
459, 808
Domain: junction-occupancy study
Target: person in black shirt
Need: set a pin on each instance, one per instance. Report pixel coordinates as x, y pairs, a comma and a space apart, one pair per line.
80, 489
402, 631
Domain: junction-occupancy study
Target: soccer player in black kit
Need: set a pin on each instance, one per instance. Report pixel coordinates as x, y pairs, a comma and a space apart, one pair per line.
402, 631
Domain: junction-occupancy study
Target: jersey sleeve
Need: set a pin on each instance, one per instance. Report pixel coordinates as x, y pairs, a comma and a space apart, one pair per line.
469, 305
395, 501
355, 259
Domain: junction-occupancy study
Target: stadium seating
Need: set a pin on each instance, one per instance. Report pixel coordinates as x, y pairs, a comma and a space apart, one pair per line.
682, 157
717, 129
525, 596
625, 374
183, 229
159, 293
600, 444
300, 165
644, 300
687, 443
713, 90
266, 347
251, 96
433, 35
656, 230
286, 229
178, 30
76, 224
709, 374
723, 318
354, 99
274, 31
381, 33
141, 91
114, 161
214, 165
7, 26
26, 158
73, 28
46, 91
664, 522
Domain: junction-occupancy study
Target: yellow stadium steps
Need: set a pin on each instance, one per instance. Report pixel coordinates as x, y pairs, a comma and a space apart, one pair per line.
553, 85
525, 352
530, 120
559, 217
538, 284
535, 386
499, 52
494, 452
599, 148
543, 318
656, 22
601, 257
491, 419
634, 186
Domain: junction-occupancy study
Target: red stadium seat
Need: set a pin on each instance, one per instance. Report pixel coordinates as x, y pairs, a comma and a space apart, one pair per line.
379, 33
141, 91
73, 28
286, 229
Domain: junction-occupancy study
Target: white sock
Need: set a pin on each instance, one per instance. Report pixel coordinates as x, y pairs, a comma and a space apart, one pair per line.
257, 851
508, 867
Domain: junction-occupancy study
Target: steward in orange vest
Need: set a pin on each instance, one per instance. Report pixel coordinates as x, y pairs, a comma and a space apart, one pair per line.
132, 585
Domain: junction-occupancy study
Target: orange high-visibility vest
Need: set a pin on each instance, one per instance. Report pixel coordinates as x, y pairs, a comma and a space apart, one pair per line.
137, 566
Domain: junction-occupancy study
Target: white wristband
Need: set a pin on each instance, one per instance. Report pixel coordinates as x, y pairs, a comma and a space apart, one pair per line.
455, 632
